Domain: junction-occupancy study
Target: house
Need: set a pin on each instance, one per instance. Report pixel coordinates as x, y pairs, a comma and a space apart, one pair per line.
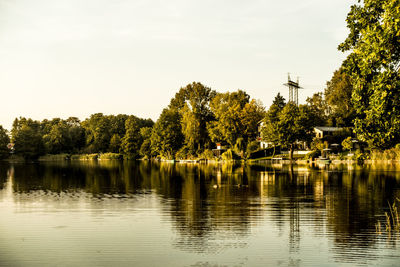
321, 132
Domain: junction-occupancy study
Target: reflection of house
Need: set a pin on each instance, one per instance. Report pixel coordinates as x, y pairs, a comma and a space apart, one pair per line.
321, 132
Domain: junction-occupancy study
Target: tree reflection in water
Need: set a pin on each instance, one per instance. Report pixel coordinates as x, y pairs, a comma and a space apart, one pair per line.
209, 203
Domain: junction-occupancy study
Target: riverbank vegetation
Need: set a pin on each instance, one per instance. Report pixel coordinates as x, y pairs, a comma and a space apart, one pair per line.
362, 99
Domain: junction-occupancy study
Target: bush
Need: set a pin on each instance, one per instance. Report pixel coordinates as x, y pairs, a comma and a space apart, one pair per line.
108, 156
207, 154
229, 155
84, 157
360, 156
389, 154
252, 147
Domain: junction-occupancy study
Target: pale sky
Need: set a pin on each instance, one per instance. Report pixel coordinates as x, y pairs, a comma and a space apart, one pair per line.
62, 58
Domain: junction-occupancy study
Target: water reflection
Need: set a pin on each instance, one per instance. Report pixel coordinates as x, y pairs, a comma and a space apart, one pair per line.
215, 207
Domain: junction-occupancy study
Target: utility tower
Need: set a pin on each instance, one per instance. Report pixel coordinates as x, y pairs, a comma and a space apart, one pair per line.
293, 90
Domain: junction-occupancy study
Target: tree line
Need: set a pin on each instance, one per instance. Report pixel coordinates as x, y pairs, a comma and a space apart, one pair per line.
363, 95
194, 121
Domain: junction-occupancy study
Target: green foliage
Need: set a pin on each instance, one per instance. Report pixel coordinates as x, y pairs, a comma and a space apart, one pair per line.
294, 125
62, 136
27, 138
317, 144
84, 156
193, 103
253, 146
361, 156
115, 143
240, 146
4, 141
347, 144
388, 154
98, 133
110, 156
185, 153
317, 109
167, 137
207, 154
132, 140
228, 155
373, 67
338, 98
269, 130
236, 117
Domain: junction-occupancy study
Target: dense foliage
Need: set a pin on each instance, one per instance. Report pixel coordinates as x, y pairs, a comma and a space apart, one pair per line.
373, 67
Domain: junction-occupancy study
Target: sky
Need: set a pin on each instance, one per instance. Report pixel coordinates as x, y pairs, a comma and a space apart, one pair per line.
62, 58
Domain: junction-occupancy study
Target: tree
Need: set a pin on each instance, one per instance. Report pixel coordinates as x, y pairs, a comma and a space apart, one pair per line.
132, 140
269, 130
57, 140
97, 129
338, 98
115, 143
27, 138
288, 126
145, 148
4, 141
193, 101
167, 137
236, 117
347, 144
317, 109
227, 126
373, 67
251, 115
279, 101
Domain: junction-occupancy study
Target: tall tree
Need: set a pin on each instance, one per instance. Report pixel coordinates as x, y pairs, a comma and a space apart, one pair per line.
27, 138
97, 129
269, 127
294, 125
373, 67
167, 137
193, 101
338, 98
4, 141
132, 140
228, 125
318, 109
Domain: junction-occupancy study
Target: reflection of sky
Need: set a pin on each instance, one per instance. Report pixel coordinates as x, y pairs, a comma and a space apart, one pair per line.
132, 56
273, 217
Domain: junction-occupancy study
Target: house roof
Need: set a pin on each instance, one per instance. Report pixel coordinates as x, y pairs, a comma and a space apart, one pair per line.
328, 129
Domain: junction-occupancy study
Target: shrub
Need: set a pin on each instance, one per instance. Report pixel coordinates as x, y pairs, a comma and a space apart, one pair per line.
229, 155
107, 156
207, 154
84, 157
252, 147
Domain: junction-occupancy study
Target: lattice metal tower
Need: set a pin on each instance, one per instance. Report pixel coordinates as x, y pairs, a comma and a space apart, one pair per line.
293, 90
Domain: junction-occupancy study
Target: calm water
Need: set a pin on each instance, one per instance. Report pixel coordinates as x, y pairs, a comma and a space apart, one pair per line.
142, 214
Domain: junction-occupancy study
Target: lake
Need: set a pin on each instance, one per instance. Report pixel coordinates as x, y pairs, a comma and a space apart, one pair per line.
111, 213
